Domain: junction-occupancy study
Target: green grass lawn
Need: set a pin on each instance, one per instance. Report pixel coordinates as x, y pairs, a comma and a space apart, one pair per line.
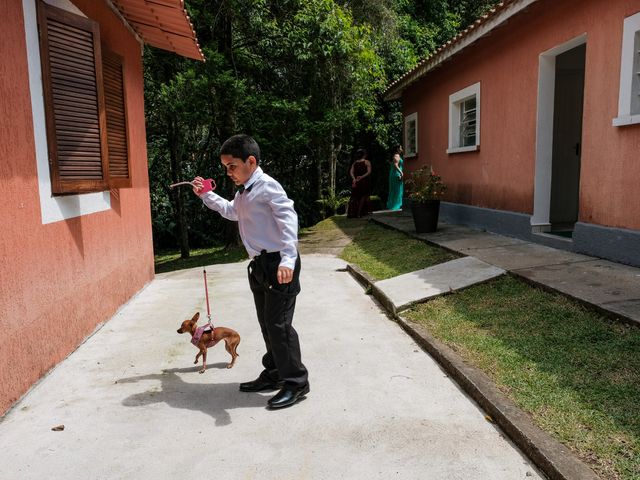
169, 261
385, 253
576, 373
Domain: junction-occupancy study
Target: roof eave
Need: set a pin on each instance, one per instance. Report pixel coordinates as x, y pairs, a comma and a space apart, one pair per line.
163, 24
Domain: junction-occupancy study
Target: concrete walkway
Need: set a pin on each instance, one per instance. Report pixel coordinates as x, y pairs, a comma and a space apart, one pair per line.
414, 287
610, 287
134, 406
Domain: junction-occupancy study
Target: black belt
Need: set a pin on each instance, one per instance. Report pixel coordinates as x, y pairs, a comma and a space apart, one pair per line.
265, 254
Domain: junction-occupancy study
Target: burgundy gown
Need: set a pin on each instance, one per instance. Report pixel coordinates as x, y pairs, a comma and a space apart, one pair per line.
359, 202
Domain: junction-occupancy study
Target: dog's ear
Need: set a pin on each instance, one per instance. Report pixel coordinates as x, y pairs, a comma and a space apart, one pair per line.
196, 317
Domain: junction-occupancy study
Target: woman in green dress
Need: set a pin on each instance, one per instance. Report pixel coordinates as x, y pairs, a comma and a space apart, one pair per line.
396, 187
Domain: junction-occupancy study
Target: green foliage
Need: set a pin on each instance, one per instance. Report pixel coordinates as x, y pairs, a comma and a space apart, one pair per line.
304, 77
330, 205
424, 185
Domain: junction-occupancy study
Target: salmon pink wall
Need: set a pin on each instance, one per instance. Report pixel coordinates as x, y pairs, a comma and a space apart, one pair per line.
60, 280
501, 175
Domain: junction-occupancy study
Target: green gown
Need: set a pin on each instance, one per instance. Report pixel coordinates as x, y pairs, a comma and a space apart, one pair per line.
396, 188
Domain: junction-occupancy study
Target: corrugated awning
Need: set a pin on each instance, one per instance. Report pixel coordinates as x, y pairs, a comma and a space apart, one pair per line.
163, 24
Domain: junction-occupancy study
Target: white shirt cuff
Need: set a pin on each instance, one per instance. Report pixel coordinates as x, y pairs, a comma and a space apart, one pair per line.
289, 262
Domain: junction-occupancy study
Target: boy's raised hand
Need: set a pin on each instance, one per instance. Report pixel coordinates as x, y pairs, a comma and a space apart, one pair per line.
285, 274
197, 185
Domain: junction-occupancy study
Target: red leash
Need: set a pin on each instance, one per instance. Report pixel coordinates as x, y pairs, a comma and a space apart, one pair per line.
206, 293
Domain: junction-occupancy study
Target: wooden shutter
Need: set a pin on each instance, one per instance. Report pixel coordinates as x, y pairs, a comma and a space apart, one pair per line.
74, 101
115, 100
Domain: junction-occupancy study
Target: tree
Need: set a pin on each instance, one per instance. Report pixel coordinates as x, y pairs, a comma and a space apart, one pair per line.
304, 77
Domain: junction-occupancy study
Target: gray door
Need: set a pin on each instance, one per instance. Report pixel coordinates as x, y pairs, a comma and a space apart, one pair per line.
567, 138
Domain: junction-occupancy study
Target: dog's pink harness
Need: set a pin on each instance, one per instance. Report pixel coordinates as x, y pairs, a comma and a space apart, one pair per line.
198, 335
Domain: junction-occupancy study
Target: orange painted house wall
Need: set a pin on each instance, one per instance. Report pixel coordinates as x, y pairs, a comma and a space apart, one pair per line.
501, 175
60, 280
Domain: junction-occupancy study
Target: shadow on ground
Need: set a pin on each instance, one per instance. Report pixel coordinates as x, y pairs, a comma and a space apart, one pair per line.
213, 399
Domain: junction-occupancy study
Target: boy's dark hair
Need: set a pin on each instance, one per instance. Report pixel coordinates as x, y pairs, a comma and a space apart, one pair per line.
241, 146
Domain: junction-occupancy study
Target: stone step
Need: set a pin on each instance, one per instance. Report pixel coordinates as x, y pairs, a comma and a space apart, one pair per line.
421, 285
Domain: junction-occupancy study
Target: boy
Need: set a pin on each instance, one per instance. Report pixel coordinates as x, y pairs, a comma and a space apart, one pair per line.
268, 227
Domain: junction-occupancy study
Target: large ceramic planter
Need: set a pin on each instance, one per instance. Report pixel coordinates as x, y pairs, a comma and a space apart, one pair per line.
425, 215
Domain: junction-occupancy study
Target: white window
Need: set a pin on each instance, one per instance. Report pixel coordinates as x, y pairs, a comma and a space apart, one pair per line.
464, 120
629, 99
411, 135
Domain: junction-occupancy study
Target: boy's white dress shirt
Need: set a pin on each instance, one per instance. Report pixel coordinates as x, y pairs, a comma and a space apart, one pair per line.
265, 215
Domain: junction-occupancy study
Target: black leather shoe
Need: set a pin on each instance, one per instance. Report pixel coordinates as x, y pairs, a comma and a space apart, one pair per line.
288, 396
259, 384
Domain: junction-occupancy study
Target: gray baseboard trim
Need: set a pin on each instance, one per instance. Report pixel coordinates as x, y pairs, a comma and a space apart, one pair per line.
615, 244
497, 221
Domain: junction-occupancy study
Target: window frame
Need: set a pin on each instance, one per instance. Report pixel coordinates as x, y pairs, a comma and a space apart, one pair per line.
628, 113
71, 105
59, 184
456, 104
411, 150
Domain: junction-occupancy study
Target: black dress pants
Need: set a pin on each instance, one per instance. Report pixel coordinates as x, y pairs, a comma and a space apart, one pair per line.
275, 305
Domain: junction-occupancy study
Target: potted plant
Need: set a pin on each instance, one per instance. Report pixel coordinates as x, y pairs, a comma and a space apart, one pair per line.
425, 191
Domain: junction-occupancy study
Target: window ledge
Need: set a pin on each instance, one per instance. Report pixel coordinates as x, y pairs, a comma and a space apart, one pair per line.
626, 120
473, 148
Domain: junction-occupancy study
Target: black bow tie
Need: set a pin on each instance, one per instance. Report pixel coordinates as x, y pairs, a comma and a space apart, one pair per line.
242, 188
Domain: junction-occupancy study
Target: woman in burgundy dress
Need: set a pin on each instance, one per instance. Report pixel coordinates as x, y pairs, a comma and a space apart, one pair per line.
360, 173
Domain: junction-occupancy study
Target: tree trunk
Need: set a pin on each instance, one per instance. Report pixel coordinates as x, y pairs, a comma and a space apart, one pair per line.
334, 149
333, 161
319, 156
174, 157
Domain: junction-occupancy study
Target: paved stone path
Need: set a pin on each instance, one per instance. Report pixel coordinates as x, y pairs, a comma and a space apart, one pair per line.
608, 286
419, 286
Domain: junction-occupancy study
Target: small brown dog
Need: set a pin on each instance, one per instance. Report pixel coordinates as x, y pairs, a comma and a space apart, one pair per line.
204, 338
